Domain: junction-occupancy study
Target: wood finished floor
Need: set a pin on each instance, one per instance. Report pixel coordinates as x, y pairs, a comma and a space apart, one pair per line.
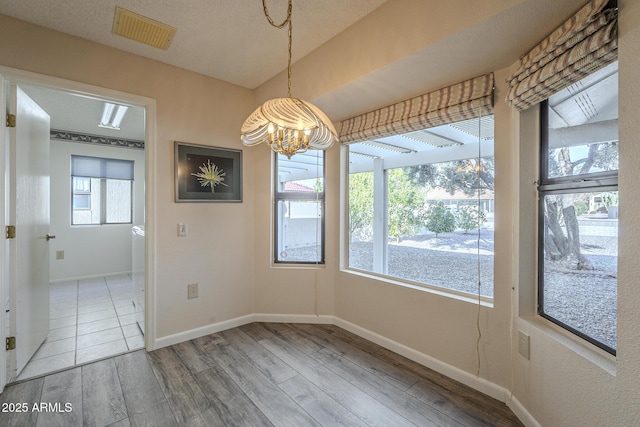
261, 374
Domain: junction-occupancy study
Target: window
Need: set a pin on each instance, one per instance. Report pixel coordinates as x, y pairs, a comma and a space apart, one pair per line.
578, 208
299, 208
421, 206
101, 190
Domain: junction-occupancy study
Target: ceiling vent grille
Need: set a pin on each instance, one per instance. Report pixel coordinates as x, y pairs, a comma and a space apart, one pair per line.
142, 29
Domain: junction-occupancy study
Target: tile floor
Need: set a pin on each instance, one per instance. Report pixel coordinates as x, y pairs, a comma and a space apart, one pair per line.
90, 319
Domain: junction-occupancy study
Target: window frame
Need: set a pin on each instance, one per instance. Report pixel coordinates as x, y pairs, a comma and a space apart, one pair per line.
597, 181
283, 196
381, 196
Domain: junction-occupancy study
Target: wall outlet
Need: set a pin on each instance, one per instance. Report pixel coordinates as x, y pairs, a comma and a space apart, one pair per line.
523, 344
192, 290
182, 230
59, 254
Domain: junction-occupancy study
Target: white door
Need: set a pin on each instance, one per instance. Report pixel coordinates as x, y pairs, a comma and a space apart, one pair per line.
28, 202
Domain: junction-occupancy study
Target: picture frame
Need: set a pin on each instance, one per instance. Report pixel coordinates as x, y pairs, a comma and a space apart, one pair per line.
207, 174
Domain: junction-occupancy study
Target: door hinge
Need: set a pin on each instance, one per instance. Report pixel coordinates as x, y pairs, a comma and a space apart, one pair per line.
11, 232
11, 343
11, 120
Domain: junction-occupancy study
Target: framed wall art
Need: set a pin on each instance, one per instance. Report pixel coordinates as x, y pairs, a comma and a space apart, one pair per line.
207, 174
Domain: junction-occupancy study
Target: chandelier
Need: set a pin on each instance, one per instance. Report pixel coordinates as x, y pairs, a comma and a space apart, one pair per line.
288, 125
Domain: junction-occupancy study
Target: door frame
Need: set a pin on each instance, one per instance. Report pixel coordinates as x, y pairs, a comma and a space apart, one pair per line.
17, 76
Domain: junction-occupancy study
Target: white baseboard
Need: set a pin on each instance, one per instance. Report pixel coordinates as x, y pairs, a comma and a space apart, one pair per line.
521, 412
479, 384
293, 318
89, 277
202, 331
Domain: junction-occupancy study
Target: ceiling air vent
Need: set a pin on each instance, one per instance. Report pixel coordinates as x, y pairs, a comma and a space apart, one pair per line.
142, 29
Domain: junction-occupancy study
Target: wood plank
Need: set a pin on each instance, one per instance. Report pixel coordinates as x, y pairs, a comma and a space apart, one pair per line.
233, 405
193, 357
272, 367
454, 404
415, 410
318, 404
340, 378
475, 402
121, 423
62, 393
189, 404
355, 400
25, 394
288, 333
102, 399
392, 374
273, 402
146, 404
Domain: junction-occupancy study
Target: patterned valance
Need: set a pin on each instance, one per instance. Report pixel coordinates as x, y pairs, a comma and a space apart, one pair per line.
63, 135
466, 100
583, 44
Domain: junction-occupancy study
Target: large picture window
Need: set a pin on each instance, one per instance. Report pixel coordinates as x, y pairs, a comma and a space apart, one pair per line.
101, 191
421, 206
299, 208
578, 208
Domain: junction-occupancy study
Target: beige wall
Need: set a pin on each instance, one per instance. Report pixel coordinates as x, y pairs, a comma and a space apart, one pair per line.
565, 383
190, 108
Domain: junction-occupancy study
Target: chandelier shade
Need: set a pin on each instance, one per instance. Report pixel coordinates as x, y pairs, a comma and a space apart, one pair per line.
288, 125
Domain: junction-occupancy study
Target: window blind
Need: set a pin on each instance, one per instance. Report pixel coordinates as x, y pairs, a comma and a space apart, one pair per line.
585, 43
97, 167
465, 100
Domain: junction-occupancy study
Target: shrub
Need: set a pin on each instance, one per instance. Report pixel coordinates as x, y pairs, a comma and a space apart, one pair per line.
440, 219
470, 218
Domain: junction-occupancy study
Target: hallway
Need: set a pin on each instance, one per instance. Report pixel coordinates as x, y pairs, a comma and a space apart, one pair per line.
89, 320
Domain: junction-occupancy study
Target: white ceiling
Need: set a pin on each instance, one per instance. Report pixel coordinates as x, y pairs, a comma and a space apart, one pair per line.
230, 40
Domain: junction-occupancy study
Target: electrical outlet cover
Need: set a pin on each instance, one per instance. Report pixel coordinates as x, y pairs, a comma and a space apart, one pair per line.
523, 344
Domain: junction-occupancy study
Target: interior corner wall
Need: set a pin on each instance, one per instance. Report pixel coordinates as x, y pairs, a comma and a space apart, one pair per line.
191, 108
91, 250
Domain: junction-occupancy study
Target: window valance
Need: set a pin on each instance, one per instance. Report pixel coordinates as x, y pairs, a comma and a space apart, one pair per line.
466, 100
97, 167
585, 43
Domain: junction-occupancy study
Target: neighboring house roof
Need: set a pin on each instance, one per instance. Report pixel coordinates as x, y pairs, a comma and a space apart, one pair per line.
295, 186
442, 194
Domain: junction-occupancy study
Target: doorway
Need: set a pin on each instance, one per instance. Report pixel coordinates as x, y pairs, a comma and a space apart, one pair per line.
92, 312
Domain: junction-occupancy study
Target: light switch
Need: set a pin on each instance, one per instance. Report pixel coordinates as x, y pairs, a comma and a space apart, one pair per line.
182, 230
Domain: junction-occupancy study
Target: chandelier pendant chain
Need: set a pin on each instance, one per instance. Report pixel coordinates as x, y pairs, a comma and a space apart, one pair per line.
280, 26
288, 125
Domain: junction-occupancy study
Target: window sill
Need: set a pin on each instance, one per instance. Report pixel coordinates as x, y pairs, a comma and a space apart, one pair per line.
449, 293
294, 266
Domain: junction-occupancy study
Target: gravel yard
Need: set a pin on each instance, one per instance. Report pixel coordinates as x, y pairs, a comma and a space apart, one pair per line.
585, 300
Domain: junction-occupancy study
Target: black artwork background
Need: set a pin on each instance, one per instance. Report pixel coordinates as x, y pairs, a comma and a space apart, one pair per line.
194, 161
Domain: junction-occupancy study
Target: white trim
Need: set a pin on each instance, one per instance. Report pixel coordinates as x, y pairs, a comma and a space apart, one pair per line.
521, 412
3, 246
294, 318
97, 92
477, 383
90, 276
202, 331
